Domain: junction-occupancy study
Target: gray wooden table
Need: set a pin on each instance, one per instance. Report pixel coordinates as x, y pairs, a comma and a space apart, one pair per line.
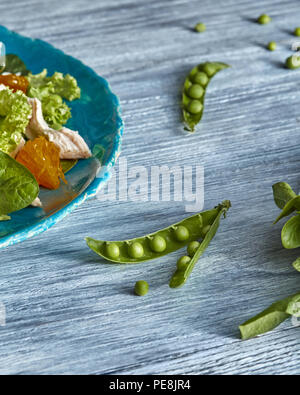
67, 312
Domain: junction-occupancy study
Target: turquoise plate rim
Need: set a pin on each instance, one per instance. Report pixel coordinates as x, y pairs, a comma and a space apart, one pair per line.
96, 184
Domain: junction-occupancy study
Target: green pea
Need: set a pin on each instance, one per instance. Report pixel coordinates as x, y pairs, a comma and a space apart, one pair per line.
272, 46
293, 62
182, 233
141, 288
210, 69
205, 230
264, 19
194, 107
200, 27
183, 262
136, 250
297, 32
192, 248
113, 250
158, 244
200, 78
196, 91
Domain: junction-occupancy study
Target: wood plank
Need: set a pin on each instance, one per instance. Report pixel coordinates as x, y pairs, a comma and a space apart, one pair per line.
67, 311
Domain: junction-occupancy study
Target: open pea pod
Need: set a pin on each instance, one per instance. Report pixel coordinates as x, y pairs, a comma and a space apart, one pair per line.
182, 273
270, 318
158, 244
194, 91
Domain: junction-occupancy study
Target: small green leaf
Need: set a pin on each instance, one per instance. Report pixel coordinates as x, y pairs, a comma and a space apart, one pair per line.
296, 264
15, 65
283, 193
18, 187
290, 234
293, 307
289, 208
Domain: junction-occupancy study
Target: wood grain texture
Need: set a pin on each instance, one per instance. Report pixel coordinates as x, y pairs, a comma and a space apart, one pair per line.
67, 311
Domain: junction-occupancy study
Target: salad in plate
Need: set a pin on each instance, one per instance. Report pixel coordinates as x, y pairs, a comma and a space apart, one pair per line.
36, 148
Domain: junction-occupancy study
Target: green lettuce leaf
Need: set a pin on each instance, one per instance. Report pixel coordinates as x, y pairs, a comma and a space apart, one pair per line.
51, 91
18, 187
15, 113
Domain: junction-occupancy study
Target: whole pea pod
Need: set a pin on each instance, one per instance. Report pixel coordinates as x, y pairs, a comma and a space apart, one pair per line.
160, 243
270, 318
186, 264
194, 91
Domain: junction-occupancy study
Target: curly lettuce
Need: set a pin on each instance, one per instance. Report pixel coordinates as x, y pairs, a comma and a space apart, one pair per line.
15, 113
51, 91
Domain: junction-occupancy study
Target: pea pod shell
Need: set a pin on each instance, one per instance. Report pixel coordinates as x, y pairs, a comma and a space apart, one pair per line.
269, 319
194, 224
180, 276
210, 69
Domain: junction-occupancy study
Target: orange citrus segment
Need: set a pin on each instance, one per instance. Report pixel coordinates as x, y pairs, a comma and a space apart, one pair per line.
41, 157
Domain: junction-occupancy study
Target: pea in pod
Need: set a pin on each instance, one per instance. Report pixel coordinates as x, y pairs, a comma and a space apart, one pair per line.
158, 244
194, 91
184, 268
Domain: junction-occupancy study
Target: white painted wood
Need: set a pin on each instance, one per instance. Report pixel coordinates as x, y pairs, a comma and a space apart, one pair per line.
67, 312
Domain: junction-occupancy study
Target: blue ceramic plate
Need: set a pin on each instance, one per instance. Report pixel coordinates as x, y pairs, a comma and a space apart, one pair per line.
97, 118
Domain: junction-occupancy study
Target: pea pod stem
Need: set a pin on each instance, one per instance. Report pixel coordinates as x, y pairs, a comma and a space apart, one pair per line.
181, 275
